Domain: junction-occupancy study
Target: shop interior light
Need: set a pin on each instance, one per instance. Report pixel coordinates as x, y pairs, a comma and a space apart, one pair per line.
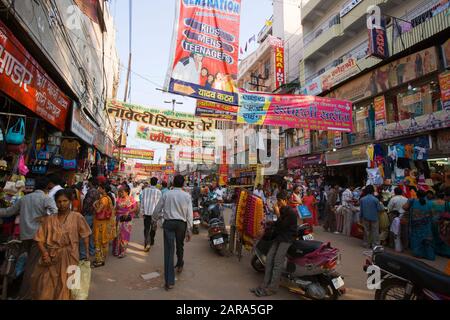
334, 150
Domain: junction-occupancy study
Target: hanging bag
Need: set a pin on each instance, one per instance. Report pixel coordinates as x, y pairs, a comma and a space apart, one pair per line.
304, 212
69, 164
44, 154
21, 167
16, 134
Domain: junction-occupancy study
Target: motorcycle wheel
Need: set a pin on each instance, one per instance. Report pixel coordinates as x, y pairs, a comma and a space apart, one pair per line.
332, 293
392, 289
257, 265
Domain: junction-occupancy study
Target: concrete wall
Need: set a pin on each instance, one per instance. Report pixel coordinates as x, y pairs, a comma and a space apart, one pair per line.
74, 48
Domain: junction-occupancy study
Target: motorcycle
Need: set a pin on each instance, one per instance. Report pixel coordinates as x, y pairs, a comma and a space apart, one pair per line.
207, 205
310, 267
196, 220
12, 250
218, 235
404, 278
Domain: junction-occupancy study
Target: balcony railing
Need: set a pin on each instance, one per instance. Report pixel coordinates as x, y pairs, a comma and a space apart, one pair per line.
311, 36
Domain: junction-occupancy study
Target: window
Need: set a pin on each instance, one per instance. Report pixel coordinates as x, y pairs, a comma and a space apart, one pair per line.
266, 69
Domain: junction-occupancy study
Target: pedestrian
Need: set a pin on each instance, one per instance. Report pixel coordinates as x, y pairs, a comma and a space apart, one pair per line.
397, 202
421, 234
395, 231
259, 192
150, 198
196, 194
441, 215
296, 199
32, 208
164, 188
76, 199
330, 211
55, 185
102, 230
176, 208
58, 239
371, 207
126, 208
135, 192
88, 211
347, 210
285, 230
310, 201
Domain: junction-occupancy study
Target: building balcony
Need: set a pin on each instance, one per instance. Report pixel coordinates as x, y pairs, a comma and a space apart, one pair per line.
314, 9
322, 39
413, 35
354, 18
248, 63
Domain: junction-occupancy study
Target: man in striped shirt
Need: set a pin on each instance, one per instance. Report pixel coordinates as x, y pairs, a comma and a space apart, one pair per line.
150, 198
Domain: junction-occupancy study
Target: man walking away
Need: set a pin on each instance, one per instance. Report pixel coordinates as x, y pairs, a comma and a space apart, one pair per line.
55, 184
88, 212
32, 208
195, 194
176, 208
150, 198
330, 224
370, 209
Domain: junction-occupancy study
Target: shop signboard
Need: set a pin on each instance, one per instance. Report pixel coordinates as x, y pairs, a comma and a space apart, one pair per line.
378, 45
444, 83
426, 122
208, 109
313, 160
349, 6
380, 110
389, 76
24, 80
159, 117
313, 87
346, 156
82, 126
295, 111
278, 50
204, 60
296, 151
443, 141
338, 139
131, 153
339, 73
173, 137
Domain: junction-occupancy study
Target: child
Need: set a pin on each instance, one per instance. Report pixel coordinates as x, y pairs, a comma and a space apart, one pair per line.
395, 240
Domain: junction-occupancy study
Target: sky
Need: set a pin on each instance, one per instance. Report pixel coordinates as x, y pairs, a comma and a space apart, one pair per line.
151, 43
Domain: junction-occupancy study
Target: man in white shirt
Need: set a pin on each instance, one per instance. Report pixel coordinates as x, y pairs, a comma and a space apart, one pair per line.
55, 185
150, 198
175, 206
398, 201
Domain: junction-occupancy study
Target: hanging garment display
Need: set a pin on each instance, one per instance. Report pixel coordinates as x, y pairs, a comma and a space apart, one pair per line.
70, 149
16, 134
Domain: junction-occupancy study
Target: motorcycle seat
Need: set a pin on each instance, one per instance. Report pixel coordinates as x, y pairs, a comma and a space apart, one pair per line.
300, 248
418, 272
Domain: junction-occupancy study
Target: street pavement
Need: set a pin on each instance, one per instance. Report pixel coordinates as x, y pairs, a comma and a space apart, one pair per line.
207, 275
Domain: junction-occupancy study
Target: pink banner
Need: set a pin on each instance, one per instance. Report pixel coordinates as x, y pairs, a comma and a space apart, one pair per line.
295, 111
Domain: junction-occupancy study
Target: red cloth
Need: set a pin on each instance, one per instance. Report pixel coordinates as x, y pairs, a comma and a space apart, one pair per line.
309, 201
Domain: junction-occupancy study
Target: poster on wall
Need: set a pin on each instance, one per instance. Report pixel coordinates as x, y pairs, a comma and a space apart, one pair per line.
295, 111
388, 76
204, 57
446, 53
444, 83
380, 110
23, 79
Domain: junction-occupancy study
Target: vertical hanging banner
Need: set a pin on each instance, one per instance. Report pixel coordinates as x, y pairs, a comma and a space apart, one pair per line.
380, 111
278, 49
378, 45
204, 58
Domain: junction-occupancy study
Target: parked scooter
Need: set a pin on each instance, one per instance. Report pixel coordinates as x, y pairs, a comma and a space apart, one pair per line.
196, 220
218, 235
310, 268
404, 278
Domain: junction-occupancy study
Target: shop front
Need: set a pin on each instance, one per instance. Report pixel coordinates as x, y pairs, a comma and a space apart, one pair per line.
347, 166
310, 170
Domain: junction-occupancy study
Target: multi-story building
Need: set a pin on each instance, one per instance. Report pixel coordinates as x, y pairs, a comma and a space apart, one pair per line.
74, 42
395, 98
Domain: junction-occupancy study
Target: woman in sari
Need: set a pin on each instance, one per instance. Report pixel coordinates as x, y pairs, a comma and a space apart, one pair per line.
58, 240
420, 217
310, 201
102, 226
295, 199
126, 207
440, 209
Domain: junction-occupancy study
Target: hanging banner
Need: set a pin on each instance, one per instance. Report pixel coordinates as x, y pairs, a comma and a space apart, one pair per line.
205, 44
174, 137
444, 83
278, 49
196, 157
295, 111
159, 117
378, 46
380, 111
208, 109
130, 153
24, 80
82, 126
